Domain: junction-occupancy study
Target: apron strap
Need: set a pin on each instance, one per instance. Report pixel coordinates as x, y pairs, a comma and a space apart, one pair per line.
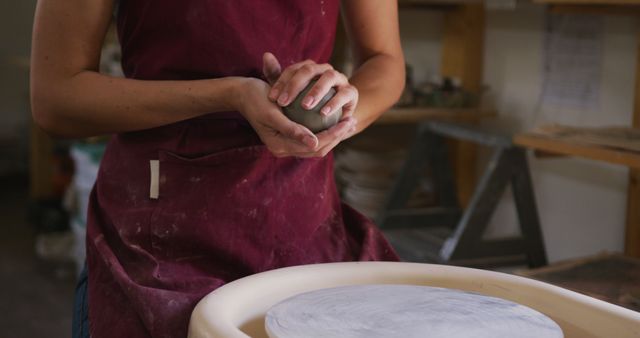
154, 187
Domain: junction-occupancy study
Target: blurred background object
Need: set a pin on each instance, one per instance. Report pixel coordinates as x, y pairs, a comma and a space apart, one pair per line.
44, 189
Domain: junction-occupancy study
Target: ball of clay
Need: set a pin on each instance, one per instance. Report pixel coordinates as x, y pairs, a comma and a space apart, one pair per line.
312, 118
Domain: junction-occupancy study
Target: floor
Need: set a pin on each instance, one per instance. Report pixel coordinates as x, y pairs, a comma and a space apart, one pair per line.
613, 278
35, 297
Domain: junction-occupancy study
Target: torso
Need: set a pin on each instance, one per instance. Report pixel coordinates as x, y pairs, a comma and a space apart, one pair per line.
225, 208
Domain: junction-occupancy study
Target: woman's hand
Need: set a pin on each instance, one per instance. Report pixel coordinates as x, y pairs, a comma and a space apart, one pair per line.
287, 85
282, 136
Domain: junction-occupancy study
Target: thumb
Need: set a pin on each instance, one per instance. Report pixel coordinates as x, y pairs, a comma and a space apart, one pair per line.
294, 131
271, 67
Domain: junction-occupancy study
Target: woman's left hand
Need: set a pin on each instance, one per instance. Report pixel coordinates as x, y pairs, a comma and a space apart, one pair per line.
288, 84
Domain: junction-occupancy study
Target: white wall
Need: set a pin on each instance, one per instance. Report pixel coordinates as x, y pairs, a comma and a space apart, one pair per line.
582, 203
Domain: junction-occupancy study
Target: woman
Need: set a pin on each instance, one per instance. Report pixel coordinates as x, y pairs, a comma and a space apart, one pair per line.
205, 180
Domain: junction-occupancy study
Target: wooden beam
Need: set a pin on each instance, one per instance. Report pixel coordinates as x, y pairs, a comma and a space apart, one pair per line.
563, 147
632, 232
545, 154
462, 58
412, 115
624, 10
462, 45
589, 2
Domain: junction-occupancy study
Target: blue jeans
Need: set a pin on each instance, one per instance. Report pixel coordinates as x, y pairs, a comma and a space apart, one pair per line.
80, 323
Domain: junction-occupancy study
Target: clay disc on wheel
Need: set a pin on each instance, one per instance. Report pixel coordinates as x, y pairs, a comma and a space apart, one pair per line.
408, 311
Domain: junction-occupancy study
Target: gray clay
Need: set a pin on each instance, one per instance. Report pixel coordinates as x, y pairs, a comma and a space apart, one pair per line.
312, 118
407, 311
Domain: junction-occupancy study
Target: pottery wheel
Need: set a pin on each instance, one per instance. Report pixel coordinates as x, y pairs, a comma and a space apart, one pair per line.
377, 311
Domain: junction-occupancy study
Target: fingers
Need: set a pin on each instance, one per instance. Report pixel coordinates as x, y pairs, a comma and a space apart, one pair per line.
289, 142
290, 82
289, 72
282, 136
329, 79
271, 68
324, 151
294, 79
346, 98
285, 148
300, 80
330, 138
293, 131
336, 132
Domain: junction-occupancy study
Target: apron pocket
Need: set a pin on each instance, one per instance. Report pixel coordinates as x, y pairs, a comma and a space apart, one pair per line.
201, 200
218, 158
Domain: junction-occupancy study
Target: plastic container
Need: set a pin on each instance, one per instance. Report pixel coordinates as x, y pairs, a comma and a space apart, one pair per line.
86, 158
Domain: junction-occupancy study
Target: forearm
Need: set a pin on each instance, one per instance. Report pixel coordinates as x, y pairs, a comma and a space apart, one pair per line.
380, 81
71, 99
89, 103
372, 28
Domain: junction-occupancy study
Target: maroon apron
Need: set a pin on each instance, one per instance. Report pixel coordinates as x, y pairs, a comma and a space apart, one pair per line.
180, 210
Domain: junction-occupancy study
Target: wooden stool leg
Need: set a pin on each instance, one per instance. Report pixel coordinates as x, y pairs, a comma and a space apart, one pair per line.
408, 177
442, 172
527, 210
463, 240
463, 243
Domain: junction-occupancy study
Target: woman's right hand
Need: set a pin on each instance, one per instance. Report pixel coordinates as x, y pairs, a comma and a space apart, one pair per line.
281, 136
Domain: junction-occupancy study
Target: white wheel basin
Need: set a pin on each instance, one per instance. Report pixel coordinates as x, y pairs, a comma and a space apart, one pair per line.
238, 308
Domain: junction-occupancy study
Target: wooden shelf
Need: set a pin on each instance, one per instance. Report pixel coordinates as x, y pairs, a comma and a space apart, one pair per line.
554, 145
419, 114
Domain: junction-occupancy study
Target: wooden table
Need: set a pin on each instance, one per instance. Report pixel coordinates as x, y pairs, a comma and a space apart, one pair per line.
589, 151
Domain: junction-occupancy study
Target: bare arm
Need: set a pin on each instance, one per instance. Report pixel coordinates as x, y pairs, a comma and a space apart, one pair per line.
372, 28
71, 99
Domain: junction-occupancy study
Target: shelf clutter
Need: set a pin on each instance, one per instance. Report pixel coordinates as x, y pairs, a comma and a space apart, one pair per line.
367, 165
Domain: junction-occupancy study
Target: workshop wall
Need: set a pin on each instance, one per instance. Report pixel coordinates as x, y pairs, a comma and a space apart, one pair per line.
582, 203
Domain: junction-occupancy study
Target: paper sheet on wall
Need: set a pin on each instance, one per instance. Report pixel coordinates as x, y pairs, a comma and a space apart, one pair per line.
572, 61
